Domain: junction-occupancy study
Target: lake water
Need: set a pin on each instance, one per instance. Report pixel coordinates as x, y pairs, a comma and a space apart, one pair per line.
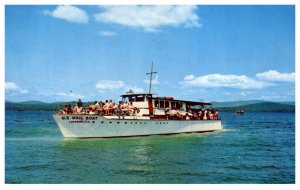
254, 148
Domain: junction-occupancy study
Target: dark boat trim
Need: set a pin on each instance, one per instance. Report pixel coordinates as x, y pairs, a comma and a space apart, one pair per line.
165, 134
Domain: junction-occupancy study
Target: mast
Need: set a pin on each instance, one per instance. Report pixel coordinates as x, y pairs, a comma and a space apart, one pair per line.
151, 73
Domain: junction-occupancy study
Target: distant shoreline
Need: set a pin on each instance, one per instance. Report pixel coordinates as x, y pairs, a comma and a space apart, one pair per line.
247, 106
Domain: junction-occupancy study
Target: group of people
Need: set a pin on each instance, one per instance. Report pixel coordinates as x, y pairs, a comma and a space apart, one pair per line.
126, 108
101, 108
206, 114
203, 114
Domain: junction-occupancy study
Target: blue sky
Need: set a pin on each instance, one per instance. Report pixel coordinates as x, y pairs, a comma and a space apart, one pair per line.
213, 53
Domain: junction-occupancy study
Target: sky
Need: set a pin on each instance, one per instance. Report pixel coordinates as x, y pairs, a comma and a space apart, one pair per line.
207, 53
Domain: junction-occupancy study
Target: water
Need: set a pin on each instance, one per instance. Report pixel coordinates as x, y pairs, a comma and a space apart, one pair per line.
254, 148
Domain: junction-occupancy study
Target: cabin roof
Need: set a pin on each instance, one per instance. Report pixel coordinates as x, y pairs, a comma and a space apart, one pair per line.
192, 103
134, 94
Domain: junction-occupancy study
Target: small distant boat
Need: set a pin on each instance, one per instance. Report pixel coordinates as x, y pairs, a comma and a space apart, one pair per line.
239, 112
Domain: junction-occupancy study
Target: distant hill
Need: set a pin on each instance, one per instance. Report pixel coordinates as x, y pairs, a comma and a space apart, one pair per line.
31, 102
248, 106
288, 103
235, 103
36, 105
261, 107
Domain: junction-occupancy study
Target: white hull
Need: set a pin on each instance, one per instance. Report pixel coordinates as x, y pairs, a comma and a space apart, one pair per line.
91, 126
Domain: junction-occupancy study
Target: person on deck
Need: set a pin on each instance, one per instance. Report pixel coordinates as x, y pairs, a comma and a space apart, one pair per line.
124, 107
91, 111
79, 103
78, 109
131, 108
114, 107
107, 107
64, 110
119, 111
216, 117
205, 115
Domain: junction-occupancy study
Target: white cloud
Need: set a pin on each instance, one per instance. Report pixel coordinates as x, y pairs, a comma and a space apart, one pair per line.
107, 33
110, 85
24, 91
13, 87
149, 18
189, 77
244, 93
70, 95
218, 80
69, 13
273, 75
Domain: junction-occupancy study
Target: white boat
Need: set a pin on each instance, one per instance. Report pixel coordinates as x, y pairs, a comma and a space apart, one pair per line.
150, 119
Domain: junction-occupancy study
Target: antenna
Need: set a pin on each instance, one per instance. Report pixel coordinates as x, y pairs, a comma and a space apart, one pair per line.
150, 81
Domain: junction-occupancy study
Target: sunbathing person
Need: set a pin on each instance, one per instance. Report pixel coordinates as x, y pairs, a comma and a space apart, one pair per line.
98, 108
131, 108
205, 115
107, 108
124, 108
63, 111
69, 109
91, 111
187, 116
173, 113
216, 116
211, 115
114, 107
119, 111
77, 110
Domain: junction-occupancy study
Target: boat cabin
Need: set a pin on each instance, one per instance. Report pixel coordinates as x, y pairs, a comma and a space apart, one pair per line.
157, 106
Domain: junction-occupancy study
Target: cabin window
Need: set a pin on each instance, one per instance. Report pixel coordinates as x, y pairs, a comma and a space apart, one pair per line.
161, 104
131, 99
178, 105
140, 98
167, 104
172, 105
156, 103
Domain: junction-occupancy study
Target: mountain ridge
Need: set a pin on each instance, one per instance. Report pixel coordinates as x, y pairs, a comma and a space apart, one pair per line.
251, 105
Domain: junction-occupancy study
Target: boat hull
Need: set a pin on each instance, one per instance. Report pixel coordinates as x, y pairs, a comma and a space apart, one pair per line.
93, 126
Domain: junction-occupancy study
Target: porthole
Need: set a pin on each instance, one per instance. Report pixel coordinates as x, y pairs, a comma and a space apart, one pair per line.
145, 123
160, 123
125, 122
141, 123
110, 122
130, 122
135, 122
118, 122
102, 121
